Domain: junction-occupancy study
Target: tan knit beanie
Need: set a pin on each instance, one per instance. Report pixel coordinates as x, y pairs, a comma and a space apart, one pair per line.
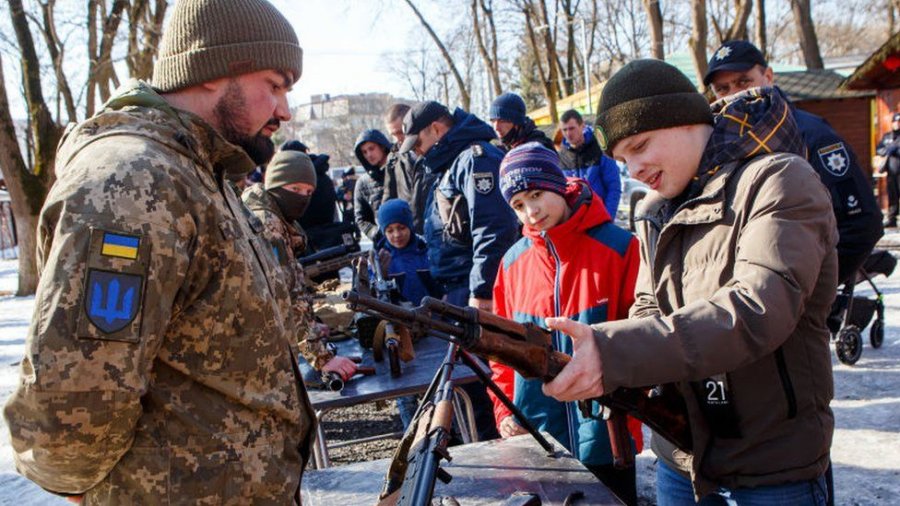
210, 39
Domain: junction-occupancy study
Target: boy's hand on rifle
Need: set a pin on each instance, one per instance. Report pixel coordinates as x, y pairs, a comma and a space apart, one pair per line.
509, 428
582, 377
343, 366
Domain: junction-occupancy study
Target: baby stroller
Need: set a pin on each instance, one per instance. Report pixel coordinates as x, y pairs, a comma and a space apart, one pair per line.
851, 314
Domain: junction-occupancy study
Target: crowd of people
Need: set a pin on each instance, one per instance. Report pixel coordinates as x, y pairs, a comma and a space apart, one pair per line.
172, 313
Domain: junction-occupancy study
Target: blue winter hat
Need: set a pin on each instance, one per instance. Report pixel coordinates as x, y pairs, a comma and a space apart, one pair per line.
510, 107
531, 166
394, 211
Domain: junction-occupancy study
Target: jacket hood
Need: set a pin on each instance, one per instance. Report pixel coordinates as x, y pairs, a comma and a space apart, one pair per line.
467, 129
320, 162
370, 136
588, 212
588, 137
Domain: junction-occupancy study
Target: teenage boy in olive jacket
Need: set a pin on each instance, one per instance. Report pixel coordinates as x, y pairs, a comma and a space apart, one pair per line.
738, 272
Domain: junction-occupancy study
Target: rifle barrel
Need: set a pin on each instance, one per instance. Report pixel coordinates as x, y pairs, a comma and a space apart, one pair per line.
400, 315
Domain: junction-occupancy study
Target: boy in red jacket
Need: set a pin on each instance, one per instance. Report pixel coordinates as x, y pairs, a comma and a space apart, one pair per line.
572, 261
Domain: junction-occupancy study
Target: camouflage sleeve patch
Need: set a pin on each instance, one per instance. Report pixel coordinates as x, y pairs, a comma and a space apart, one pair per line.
112, 296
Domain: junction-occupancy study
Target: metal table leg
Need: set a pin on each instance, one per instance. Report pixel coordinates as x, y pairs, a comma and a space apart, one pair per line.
467, 428
320, 446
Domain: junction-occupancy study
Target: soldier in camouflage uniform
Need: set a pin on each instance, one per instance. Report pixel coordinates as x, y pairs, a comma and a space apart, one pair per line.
279, 203
159, 364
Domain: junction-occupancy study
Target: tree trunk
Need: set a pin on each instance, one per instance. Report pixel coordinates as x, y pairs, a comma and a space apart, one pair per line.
698, 39
806, 32
738, 30
761, 39
655, 20
57, 54
142, 50
44, 131
552, 57
548, 78
26, 193
490, 64
464, 97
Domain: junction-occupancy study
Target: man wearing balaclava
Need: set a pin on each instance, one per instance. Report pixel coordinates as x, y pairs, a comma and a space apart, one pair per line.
280, 203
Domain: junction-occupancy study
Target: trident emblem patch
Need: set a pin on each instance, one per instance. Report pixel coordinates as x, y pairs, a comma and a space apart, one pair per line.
113, 299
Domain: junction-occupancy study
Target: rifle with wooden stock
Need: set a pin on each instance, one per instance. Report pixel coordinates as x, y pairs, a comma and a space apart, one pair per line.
528, 349
416, 463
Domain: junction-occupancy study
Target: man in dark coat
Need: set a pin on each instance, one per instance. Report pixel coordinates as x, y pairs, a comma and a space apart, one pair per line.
739, 65
405, 177
513, 127
371, 149
468, 225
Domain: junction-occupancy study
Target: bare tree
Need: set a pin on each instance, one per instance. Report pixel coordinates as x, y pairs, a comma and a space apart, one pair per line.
731, 13
543, 47
806, 32
101, 73
655, 21
488, 55
144, 32
761, 39
465, 99
699, 33
57, 51
28, 188
29, 173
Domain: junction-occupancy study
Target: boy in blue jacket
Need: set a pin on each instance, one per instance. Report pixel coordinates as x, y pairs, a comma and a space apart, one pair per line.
408, 256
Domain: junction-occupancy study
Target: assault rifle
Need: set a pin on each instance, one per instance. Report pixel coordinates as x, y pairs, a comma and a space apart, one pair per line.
416, 463
527, 348
329, 259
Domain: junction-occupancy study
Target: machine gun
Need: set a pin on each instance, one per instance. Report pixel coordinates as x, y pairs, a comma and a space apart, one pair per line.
527, 348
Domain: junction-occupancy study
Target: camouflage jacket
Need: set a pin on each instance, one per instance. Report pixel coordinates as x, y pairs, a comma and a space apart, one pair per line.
158, 367
289, 242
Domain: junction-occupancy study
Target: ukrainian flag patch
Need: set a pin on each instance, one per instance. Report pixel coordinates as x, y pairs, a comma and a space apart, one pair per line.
121, 246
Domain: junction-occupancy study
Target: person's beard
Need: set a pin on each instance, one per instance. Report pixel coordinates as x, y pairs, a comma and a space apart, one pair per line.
228, 111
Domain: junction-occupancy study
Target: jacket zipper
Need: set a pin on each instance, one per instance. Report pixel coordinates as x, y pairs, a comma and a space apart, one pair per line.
786, 383
557, 312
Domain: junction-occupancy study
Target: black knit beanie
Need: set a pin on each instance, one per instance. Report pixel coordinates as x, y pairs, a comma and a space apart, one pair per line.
647, 95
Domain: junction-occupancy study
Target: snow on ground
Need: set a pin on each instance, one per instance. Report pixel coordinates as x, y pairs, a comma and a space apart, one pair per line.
866, 449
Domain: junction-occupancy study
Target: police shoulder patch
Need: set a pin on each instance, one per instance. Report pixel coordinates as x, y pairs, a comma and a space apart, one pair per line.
835, 158
483, 182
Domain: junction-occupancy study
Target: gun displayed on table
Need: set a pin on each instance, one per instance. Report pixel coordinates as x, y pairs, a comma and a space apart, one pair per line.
330, 259
333, 381
416, 462
527, 348
387, 338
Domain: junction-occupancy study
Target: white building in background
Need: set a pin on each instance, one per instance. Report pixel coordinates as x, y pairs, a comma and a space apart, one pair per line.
330, 124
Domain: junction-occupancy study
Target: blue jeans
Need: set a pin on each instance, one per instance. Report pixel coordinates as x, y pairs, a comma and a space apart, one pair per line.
407, 407
673, 489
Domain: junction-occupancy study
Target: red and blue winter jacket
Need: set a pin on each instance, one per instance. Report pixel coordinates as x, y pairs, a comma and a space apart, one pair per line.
584, 269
